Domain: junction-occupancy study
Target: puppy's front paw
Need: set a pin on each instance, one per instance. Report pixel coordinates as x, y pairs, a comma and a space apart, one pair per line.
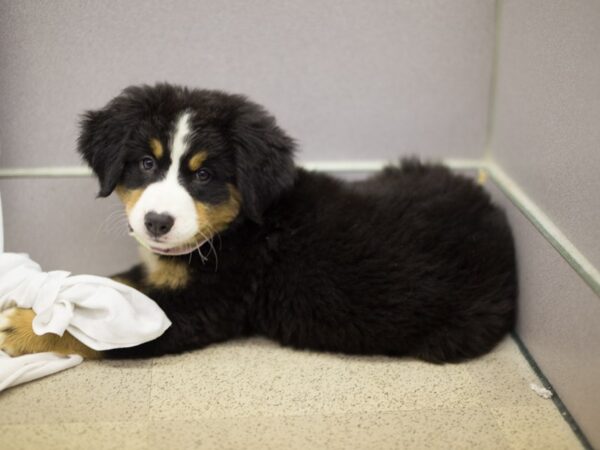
17, 337
16, 334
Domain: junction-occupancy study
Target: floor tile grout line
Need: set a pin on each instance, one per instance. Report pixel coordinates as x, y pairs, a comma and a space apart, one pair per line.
150, 414
327, 414
562, 409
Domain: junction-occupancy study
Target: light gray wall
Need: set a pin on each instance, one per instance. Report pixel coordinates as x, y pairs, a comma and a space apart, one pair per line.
63, 226
546, 132
546, 135
558, 321
349, 79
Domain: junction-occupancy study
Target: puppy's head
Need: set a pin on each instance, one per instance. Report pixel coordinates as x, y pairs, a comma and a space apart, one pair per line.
186, 163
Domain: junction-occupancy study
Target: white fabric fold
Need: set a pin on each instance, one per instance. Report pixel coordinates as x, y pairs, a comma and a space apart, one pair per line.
21, 369
101, 313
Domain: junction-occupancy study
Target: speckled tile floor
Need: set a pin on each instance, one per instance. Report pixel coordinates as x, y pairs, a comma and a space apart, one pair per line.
255, 395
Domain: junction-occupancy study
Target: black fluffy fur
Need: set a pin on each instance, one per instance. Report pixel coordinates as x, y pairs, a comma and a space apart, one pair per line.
414, 261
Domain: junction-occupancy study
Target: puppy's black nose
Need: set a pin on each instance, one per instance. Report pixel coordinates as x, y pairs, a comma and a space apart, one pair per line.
158, 224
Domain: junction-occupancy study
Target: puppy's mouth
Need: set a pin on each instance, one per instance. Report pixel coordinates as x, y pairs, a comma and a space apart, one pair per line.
176, 251
163, 249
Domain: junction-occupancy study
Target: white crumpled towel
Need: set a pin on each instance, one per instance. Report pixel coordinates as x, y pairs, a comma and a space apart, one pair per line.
98, 311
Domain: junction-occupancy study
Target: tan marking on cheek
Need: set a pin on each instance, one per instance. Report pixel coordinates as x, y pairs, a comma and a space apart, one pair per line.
19, 338
149, 259
157, 148
167, 274
215, 218
163, 273
196, 161
129, 197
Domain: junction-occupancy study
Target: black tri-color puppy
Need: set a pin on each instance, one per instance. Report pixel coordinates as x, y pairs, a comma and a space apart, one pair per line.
238, 241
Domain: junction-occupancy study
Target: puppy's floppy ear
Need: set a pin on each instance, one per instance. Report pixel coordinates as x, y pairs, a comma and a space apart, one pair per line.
100, 143
264, 159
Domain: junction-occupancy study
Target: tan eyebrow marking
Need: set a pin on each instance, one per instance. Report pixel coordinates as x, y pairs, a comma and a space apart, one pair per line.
157, 148
196, 161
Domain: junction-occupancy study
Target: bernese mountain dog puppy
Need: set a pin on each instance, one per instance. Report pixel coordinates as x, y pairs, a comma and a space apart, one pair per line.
238, 241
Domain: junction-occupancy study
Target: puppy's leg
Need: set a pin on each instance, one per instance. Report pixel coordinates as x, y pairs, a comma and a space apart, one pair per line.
213, 319
198, 320
17, 337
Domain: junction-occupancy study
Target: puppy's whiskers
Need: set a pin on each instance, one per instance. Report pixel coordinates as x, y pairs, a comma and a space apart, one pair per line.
115, 221
214, 234
202, 257
212, 248
110, 217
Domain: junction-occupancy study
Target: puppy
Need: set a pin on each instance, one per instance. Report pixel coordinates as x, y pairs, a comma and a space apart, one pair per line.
237, 241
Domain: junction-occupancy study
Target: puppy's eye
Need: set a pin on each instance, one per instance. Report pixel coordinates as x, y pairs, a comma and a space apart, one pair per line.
203, 176
147, 163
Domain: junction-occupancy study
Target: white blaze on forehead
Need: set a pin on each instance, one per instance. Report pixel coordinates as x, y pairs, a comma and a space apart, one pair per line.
179, 144
168, 196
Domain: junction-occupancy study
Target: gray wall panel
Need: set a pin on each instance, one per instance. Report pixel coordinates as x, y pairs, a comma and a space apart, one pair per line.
61, 224
547, 127
546, 135
558, 321
361, 79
